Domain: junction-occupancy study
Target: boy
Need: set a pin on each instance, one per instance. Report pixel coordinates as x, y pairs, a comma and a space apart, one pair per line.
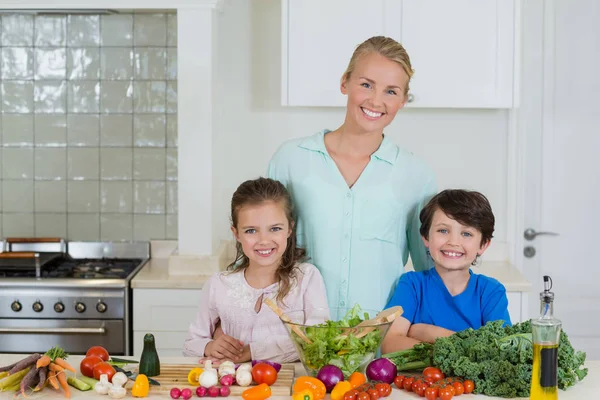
457, 228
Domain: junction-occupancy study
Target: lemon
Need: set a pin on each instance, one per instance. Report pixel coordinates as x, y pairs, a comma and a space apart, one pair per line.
194, 376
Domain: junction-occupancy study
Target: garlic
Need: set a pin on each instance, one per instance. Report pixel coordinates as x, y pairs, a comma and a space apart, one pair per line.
117, 392
119, 379
243, 376
226, 368
103, 386
209, 377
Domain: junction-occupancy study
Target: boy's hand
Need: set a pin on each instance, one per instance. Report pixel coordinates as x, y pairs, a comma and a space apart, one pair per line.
224, 347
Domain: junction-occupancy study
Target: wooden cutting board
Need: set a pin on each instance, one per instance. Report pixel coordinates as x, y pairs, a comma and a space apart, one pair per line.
175, 375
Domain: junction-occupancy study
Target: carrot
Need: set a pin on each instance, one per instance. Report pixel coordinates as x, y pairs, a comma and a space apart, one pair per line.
43, 361
26, 362
62, 379
29, 381
42, 372
55, 368
52, 379
62, 363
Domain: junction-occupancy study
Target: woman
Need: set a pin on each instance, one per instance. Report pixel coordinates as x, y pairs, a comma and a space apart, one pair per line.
358, 195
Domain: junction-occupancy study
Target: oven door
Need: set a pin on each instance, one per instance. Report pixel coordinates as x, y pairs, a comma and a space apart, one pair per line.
74, 336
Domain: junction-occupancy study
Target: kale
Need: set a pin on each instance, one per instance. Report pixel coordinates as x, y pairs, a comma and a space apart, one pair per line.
498, 359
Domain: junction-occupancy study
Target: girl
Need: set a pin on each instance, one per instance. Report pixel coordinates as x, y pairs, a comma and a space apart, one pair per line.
457, 228
268, 265
368, 189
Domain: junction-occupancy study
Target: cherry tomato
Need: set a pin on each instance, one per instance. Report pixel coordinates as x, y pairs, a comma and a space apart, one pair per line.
445, 393
104, 368
431, 393
264, 373
373, 394
418, 387
458, 388
350, 395
407, 384
363, 396
398, 381
469, 386
87, 365
433, 373
452, 389
388, 389
98, 351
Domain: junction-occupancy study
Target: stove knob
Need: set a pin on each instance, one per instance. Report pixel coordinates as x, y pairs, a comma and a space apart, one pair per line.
37, 306
101, 307
80, 307
16, 306
59, 307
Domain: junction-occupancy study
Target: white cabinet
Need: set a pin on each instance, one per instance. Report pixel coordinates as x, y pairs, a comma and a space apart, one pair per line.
517, 306
167, 314
464, 52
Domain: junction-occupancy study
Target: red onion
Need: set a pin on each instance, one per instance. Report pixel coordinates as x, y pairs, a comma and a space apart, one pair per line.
382, 370
330, 375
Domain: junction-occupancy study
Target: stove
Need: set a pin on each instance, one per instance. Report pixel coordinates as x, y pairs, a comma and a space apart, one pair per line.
71, 294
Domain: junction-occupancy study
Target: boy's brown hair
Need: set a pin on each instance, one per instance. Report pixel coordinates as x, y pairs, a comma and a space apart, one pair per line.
469, 208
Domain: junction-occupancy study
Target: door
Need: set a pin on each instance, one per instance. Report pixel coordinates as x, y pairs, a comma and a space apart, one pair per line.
562, 190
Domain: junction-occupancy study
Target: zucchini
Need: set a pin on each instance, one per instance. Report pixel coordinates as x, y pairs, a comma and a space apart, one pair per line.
149, 362
78, 384
88, 381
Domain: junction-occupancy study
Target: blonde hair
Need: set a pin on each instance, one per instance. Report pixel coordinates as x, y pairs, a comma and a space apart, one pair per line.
385, 46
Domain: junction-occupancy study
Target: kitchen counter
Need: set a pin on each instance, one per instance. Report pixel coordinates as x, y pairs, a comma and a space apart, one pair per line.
588, 389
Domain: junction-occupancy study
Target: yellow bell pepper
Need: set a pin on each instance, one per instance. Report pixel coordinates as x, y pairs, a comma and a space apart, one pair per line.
340, 389
141, 386
313, 384
306, 394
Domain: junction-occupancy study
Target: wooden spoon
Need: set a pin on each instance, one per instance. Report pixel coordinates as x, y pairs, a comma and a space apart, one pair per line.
285, 318
387, 315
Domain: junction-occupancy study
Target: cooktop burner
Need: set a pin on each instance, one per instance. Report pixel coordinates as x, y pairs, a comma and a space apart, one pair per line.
78, 269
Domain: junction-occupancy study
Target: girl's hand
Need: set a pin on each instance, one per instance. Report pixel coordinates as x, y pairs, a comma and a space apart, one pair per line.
224, 347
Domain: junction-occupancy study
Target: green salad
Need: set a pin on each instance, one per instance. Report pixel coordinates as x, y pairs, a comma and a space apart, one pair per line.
331, 344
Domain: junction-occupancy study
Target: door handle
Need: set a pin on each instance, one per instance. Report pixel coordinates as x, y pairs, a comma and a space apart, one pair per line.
100, 330
531, 234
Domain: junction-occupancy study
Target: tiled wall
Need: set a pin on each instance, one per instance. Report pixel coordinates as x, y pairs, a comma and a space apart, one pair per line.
89, 126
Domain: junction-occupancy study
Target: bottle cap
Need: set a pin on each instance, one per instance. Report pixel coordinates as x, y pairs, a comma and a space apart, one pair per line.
547, 296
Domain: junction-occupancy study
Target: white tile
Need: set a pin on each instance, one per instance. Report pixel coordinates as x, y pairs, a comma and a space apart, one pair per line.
83, 130
172, 97
50, 97
50, 196
150, 63
149, 227
50, 63
150, 96
17, 196
116, 63
83, 196
172, 130
51, 225
17, 63
50, 31
50, 164
149, 130
171, 64
172, 226
150, 30
83, 163
116, 97
116, 164
116, 227
172, 202
17, 163
149, 163
172, 30
83, 97
17, 97
84, 30
116, 130
172, 174
116, 197
83, 63
17, 130
116, 30
149, 197
50, 130
17, 30
17, 225
83, 227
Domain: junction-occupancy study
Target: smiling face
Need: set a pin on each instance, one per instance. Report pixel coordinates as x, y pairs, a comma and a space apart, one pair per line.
376, 91
453, 246
263, 230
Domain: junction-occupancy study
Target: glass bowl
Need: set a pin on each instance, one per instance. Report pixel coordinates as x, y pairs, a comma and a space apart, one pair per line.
334, 338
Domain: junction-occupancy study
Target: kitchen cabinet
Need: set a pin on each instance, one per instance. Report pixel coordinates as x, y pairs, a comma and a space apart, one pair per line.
167, 314
464, 52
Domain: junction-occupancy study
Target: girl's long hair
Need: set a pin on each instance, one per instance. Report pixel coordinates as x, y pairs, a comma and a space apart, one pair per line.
258, 191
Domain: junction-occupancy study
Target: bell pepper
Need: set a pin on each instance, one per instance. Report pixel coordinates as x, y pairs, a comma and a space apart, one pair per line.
313, 384
340, 389
141, 386
260, 392
306, 394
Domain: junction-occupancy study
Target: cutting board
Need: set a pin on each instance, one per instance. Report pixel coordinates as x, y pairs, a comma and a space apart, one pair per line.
175, 375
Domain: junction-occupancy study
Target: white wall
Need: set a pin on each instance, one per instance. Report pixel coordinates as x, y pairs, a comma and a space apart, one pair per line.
466, 148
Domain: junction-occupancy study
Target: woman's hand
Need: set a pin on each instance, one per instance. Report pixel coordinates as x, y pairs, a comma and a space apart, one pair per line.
224, 347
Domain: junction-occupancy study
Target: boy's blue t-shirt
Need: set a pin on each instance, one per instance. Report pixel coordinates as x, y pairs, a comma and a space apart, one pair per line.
426, 300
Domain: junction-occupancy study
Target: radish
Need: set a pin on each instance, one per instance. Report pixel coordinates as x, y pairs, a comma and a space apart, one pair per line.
213, 391
224, 391
201, 391
227, 380
175, 393
186, 393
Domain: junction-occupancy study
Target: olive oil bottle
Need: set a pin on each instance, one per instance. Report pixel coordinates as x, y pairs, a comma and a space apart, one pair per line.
546, 334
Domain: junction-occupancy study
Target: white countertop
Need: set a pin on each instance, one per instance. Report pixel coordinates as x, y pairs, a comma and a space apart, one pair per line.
587, 389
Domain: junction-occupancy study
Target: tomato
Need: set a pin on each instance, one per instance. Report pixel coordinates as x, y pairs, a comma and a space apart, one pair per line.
384, 389
445, 393
104, 368
407, 384
373, 394
431, 393
418, 387
458, 388
452, 389
87, 365
350, 395
363, 396
469, 386
98, 351
433, 373
264, 373
398, 381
